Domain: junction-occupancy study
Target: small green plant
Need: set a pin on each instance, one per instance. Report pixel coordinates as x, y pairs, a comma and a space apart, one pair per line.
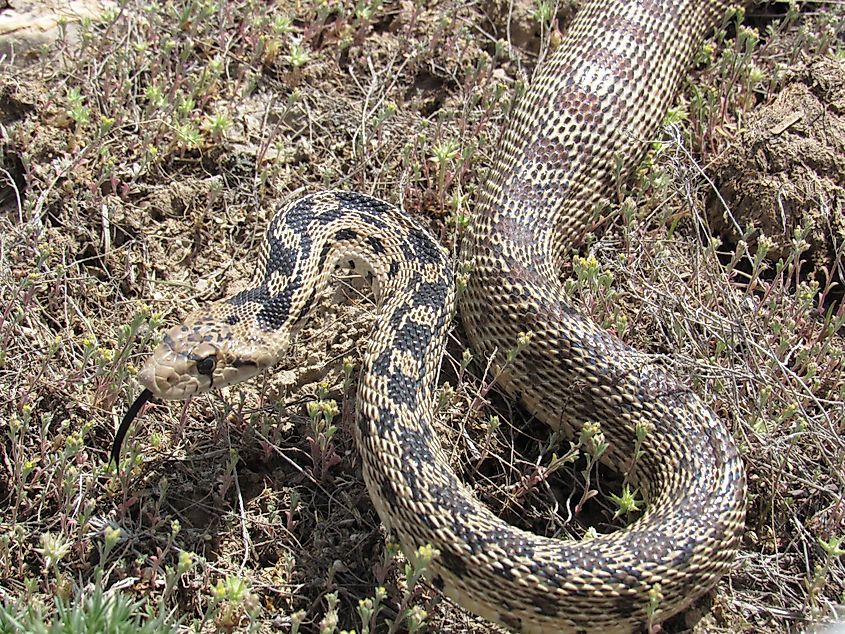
155, 97
321, 413
296, 620
594, 286
282, 25
328, 624
492, 426
641, 431
443, 156
626, 503
370, 608
95, 611
523, 340
53, 549
655, 597
413, 617
592, 441
185, 105
232, 601
188, 136
832, 549
78, 111
298, 56
365, 11
544, 11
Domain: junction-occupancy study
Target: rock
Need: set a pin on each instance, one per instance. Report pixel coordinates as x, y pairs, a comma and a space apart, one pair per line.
28, 26
787, 168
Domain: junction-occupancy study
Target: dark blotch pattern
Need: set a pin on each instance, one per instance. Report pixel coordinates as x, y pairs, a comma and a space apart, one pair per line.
346, 234
453, 563
375, 244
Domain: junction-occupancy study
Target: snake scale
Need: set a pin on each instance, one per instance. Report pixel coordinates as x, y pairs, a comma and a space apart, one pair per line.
595, 101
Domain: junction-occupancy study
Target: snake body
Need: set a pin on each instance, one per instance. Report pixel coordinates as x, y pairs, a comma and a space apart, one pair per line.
594, 103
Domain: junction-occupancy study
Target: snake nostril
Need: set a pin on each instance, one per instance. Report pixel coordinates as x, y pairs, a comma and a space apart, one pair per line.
147, 378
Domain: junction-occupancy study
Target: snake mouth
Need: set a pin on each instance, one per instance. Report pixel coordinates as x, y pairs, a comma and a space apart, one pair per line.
131, 413
167, 375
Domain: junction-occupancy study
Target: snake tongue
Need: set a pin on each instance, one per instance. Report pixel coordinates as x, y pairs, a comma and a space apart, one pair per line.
143, 397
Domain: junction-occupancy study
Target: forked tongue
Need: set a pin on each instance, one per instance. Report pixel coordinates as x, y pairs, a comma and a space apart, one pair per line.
143, 397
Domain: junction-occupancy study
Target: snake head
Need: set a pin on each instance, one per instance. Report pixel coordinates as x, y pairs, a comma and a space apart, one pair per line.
204, 353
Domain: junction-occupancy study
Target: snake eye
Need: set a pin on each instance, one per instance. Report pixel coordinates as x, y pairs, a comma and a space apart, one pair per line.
206, 366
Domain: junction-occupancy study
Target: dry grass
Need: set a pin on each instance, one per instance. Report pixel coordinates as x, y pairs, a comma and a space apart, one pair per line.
139, 171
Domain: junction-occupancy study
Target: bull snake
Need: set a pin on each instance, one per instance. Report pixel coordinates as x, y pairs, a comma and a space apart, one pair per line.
590, 106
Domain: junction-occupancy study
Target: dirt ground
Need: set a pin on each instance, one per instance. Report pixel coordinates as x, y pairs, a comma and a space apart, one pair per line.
141, 157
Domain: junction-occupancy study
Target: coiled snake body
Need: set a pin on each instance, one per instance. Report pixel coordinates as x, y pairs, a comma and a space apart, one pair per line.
596, 101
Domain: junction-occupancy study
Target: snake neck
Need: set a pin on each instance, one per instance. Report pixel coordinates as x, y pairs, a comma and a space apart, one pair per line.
409, 271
